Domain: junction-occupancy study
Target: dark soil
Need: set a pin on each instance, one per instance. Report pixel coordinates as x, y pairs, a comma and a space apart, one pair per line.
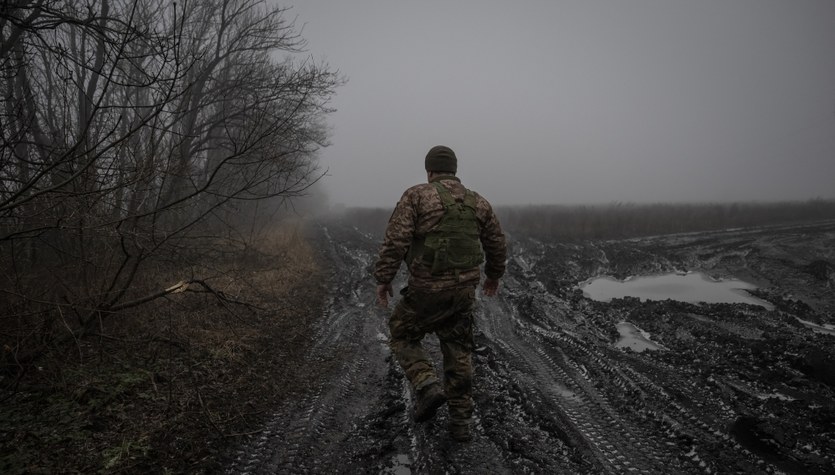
310, 387
737, 389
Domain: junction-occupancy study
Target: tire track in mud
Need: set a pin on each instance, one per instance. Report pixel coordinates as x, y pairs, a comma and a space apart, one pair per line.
557, 365
635, 413
314, 434
552, 394
357, 419
305, 436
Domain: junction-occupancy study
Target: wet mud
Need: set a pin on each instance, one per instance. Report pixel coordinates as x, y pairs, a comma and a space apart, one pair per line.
733, 388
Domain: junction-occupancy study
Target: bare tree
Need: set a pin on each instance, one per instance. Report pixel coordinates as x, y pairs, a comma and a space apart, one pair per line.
130, 128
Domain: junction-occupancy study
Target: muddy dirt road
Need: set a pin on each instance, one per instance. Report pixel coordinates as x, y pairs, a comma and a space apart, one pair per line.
735, 387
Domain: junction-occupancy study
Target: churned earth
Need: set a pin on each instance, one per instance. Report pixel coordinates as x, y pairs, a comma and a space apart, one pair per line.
733, 388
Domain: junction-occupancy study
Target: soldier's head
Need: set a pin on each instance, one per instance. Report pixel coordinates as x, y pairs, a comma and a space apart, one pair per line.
441, 160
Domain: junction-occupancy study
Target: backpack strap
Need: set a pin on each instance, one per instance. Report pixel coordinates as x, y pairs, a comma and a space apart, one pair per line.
446, 196
469, 199
416, 248
448, 200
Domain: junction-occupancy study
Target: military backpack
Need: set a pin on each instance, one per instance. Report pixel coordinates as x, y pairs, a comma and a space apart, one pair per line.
454, 243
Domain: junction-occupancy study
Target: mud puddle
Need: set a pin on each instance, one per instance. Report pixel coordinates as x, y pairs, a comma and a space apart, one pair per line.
693, 287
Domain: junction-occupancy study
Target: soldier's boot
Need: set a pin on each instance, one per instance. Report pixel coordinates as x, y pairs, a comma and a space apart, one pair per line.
460, 431
429, 399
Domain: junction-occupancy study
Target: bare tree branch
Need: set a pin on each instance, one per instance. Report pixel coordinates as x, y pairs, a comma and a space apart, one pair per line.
130, 129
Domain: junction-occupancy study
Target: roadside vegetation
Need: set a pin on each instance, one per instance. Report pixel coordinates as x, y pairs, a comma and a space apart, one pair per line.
151, 277
172, 385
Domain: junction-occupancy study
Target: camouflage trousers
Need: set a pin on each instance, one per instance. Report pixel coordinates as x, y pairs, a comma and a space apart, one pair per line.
449, 315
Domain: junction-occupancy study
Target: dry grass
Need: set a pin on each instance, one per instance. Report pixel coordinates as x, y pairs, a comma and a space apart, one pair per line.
170, 385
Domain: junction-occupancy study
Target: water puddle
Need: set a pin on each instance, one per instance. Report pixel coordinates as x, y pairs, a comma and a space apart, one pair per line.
635, 339
400, 465
693, 287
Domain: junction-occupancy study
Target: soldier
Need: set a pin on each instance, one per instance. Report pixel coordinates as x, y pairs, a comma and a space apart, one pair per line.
440, 229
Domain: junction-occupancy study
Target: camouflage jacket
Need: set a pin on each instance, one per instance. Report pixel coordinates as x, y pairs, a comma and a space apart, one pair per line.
419, 211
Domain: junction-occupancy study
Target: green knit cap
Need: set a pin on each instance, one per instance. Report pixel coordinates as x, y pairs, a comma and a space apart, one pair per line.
441, 159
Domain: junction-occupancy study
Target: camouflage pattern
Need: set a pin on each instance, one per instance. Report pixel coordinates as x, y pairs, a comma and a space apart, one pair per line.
448, 314
419, 211
441, 303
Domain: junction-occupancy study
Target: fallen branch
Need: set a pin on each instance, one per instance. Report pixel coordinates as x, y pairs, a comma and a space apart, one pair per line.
180, 287
220, 295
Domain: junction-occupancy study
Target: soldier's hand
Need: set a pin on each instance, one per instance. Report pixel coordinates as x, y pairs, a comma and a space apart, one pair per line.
490, 287
384, 291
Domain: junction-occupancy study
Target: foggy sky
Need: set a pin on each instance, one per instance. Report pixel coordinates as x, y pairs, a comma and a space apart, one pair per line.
581, 101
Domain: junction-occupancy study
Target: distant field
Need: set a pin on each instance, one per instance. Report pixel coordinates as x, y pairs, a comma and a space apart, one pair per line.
624, 220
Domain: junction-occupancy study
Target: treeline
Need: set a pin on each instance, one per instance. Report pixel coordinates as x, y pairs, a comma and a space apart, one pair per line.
619, 220
135, 132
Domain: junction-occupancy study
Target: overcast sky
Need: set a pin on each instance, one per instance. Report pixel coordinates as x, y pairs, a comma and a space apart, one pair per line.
581, 101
